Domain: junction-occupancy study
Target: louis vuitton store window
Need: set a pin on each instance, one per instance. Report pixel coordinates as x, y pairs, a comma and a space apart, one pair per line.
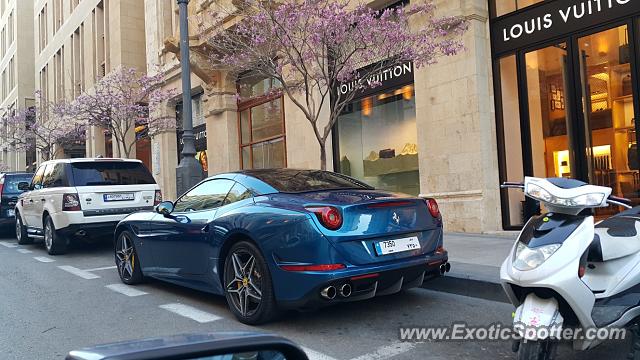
376, 138
567, 98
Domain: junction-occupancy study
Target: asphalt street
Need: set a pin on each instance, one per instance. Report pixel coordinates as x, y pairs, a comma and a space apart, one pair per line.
50, 305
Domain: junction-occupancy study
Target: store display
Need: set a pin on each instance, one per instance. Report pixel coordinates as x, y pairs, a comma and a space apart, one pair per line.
409, 149
387, 153
345, 166
373, 156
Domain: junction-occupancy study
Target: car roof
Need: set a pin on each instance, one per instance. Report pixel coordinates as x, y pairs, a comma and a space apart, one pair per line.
77, 160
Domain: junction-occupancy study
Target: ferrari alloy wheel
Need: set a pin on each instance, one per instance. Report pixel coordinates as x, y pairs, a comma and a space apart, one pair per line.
21, 232
127, 260
248, 285
55, 243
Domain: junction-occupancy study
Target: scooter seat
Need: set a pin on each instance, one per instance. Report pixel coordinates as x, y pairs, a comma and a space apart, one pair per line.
615, 237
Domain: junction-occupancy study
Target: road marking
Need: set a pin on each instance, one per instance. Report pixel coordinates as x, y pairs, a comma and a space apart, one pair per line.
388, 351
190, 312
43, 259
103, 268
8, 244
78, 272
314, 355
25, 251
125, 290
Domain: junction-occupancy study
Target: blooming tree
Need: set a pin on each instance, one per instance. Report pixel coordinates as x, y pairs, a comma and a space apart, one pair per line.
46, 127
314, 47
120, 101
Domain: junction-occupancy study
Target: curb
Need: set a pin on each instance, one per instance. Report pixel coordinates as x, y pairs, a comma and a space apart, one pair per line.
473, 280
454, 284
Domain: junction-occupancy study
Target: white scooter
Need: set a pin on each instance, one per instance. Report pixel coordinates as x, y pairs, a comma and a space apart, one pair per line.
570, 277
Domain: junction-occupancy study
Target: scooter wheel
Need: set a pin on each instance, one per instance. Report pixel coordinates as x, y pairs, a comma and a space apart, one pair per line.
537, 350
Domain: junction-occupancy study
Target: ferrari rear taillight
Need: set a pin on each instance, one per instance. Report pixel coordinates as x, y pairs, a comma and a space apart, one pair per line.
329, 216
158, 198
434, 210
323, 267
70, 202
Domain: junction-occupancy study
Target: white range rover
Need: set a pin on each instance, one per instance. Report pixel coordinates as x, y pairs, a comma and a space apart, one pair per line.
82, 198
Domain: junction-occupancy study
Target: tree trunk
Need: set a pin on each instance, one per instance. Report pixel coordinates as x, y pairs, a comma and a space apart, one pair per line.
323, 156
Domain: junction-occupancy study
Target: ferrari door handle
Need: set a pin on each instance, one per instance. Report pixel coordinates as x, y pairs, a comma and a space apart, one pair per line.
205, 229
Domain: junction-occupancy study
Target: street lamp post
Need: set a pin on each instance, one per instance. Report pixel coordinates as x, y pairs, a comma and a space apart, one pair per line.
189, 172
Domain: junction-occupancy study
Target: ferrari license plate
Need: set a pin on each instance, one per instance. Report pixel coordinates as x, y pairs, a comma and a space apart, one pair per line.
118, 197
397, 245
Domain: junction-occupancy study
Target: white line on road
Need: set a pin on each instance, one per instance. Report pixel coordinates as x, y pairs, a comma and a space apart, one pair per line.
78, 272
43, 259
103, 268
125, 290
314, 355
388, 351
8, 244
190, 312
25, 251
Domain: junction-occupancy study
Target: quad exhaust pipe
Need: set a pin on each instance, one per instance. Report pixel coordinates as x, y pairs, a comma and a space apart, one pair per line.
345, 290
445, 268
329, 292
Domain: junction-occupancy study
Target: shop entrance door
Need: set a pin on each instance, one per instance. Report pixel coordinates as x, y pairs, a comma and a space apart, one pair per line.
608, 112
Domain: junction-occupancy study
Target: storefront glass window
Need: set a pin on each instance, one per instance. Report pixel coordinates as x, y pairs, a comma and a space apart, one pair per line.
607, 91
512, 138
378, 140
550, 128
262, 135
503, 7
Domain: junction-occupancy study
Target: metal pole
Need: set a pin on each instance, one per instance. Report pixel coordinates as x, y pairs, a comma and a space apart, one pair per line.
189, 172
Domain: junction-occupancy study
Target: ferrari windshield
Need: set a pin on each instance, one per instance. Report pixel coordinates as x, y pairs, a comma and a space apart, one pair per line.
294, 181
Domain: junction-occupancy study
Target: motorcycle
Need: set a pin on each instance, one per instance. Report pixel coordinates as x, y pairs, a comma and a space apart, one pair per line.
566, 272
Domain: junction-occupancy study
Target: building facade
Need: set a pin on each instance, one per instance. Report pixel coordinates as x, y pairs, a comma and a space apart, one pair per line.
17, 82
78, 42
428, 131
567, 95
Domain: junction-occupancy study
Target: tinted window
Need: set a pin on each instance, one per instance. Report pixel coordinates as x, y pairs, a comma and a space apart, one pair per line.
36, 182
287, 180
11, 182
208, 195
110, 173
237, 193
54, 176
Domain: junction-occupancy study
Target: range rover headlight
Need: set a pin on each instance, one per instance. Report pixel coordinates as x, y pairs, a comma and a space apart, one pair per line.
529, 259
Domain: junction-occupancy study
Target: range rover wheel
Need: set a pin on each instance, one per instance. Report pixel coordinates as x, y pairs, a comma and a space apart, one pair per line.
55, 243
21, 232
127, 260
248, 286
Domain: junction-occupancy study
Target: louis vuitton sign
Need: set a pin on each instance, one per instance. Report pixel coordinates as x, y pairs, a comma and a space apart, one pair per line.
556, 18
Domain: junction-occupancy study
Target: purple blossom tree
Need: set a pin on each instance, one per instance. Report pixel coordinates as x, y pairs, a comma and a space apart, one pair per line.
120, 101
47, 127
312, 47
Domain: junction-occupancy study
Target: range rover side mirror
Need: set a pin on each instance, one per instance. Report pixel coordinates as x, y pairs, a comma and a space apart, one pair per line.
165, 208
23, 186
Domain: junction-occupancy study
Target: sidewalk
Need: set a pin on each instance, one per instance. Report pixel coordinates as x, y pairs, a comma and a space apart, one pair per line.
475, 265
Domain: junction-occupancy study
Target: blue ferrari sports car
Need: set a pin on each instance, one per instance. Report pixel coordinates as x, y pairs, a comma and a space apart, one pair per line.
279, 239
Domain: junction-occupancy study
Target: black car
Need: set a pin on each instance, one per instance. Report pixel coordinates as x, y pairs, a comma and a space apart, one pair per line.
9, 193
